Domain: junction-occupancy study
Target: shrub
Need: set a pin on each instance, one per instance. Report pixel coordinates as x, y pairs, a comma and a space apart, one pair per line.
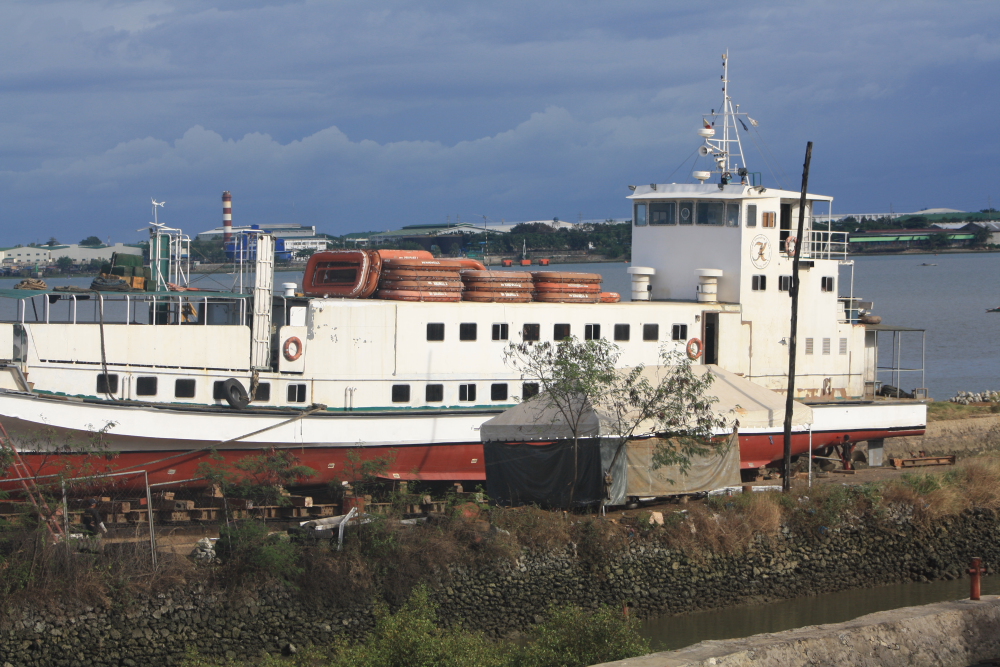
246, 549
572, 637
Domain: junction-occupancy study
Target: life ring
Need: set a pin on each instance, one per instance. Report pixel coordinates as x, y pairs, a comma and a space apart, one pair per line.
791, 246
287, 348
235, 394
694, 348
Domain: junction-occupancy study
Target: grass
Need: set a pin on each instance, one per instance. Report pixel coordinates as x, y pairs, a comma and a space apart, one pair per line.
943, 410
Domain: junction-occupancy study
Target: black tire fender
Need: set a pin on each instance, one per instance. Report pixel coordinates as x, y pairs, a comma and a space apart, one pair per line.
236, 395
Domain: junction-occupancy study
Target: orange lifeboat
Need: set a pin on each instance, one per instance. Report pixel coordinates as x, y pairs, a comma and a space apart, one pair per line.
418, 295
610, 297
584, 288
566, 277
350, 274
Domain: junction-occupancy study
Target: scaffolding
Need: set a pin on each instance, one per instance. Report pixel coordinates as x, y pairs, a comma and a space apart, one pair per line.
895, 368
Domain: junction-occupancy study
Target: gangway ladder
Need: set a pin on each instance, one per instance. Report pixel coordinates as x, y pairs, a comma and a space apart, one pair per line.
31, 489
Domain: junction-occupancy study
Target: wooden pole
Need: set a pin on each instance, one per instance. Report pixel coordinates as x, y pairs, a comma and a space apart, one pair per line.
786, 482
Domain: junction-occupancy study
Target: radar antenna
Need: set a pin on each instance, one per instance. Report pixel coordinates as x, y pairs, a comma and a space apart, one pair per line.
726, 151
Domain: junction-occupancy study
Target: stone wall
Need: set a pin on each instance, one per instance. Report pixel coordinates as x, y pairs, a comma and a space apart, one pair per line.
507, 597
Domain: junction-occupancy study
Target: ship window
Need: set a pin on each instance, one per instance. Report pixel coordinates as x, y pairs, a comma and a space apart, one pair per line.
434, 393
685, 212
145, 386
663, 213
826, 346
591, 331
622, 331
467, 331
183, 388
784, 283
219, 390
732, 215
809, 345
785, 222
400, 393
767, 219
843, 346
500, 331
263, 393
560, 331
826, 283
435, 331
751, 215
107, 384
640, 215
531, 332
651, 332
679, 332
296, 393
758, 283
528, 389
711, 213
466, 392
498, 391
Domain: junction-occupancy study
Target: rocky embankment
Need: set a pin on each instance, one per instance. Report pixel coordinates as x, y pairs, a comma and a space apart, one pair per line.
508, 596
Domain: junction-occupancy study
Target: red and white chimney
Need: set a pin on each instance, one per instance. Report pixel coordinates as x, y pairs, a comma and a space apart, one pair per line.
227, 216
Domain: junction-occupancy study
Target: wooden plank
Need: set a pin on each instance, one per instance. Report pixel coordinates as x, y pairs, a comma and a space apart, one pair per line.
923, 461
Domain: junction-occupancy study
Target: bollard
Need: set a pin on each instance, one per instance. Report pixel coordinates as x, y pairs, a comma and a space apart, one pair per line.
975, 570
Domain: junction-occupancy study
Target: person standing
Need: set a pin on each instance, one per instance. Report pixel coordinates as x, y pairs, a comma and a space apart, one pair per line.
92, 521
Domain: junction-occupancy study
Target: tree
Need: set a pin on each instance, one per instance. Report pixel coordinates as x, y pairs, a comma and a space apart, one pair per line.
52, 241
91, 241
573, 377
305, 252
64, 263
981, 237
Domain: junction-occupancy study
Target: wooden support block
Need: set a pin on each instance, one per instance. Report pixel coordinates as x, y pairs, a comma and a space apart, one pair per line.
239, 503
843, 472
301, 501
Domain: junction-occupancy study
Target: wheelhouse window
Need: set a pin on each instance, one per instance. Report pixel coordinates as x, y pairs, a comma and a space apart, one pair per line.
145, 386
434, 393
560, 332
435, 331
711, 213
528, 389
651, 332
758, 283
400, 393
732, 215
663, 213
591, 331
296, 393
827, 284
466, 392
679, 332
639, 215
498, 391
685, 212
751, 215
622, 331
467, 331
767, 219
107, 384
531, 332
500, 331
183, 388
784, 283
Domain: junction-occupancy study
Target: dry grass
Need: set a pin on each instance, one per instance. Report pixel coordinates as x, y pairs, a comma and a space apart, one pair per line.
726, 525
944, 410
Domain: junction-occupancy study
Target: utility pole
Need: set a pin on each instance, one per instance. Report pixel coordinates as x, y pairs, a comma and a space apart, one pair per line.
786, 482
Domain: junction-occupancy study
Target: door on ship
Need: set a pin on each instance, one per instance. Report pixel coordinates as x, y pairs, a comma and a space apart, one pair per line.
711, 339
786, 223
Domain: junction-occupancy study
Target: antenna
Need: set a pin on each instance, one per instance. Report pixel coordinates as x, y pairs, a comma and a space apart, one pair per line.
726, 151
156, 205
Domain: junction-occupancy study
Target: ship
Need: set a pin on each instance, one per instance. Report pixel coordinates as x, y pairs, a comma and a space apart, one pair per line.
400, 355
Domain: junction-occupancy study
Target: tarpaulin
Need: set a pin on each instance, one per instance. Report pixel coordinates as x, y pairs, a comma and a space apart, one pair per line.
543, 474
712, 471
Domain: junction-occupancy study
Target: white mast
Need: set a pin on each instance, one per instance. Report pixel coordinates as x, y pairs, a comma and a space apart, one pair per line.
727, 150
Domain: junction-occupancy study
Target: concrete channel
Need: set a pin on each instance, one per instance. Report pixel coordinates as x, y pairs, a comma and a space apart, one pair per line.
943, 634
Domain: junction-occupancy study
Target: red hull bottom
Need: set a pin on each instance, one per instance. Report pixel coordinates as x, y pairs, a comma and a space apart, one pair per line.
446, 462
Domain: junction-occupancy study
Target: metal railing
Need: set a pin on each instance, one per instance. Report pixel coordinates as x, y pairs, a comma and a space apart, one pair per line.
825, 245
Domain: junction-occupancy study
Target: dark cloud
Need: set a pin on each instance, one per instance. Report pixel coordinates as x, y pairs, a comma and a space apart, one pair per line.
352, 115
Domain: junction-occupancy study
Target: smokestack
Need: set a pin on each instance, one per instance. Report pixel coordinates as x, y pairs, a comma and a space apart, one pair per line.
227, 216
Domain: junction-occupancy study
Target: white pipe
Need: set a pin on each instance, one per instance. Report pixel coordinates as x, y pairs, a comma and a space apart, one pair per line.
810, 456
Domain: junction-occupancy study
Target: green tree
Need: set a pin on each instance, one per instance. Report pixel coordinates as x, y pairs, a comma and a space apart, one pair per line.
91, 241
64, 263
305, 252
52, 241
981, 237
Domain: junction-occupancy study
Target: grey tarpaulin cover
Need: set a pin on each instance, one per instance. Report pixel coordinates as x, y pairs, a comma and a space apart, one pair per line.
713, 471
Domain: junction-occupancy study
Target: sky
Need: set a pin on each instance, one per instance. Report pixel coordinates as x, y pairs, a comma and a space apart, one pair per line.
356, 116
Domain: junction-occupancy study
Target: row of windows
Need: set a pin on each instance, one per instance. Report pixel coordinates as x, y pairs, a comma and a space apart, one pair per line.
826, 346
758, 283
434, 393
467, 331
185, 388
712, 213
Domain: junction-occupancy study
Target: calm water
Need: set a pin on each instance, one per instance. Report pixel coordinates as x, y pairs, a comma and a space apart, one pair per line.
672, 632
948, 300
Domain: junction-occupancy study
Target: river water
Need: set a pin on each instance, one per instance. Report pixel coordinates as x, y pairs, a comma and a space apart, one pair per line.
949, 300
666, 633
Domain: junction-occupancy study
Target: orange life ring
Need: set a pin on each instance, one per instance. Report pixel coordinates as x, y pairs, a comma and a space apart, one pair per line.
287, 348
694, 348
791, 246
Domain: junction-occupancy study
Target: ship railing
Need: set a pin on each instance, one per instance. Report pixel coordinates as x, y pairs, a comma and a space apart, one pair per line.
825, 245
139, 308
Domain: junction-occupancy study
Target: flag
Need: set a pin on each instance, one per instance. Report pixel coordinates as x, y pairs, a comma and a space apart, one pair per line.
752, 121
745, 128
707, 125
